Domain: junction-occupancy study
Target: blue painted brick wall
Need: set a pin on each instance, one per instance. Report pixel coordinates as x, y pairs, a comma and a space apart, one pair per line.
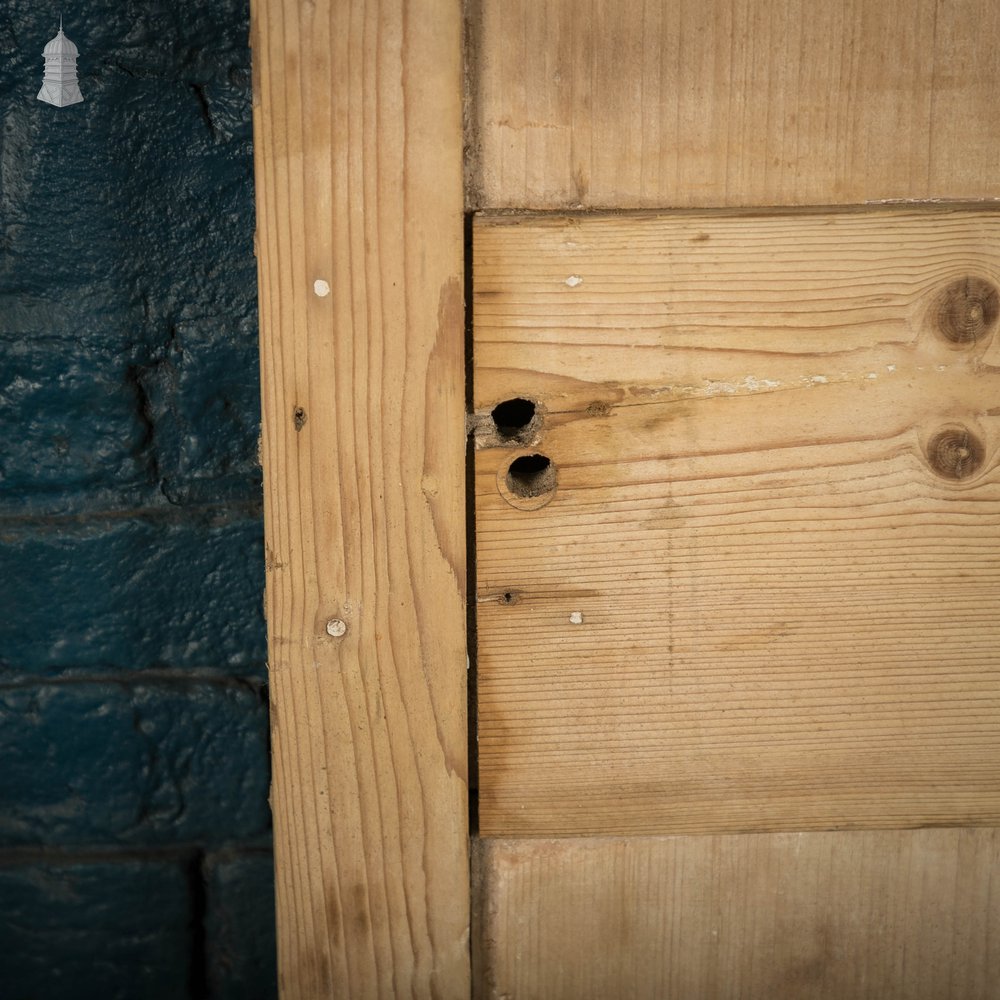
134, 823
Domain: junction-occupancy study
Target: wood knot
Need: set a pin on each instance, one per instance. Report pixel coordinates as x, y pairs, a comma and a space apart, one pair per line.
955, 453
299, 418
966, 311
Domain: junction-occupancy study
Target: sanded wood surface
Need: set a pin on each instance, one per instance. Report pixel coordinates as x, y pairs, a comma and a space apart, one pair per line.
684, 103
764, 593
358, 154
887, 915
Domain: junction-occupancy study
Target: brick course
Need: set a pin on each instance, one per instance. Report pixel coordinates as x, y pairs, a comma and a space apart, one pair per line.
134, 822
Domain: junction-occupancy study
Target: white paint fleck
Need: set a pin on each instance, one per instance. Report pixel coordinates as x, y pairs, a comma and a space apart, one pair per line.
749, 384
576, 617
872, 375
819, 380
321, 288
336, 627
573, 280
890, 368
726, 388
757, 384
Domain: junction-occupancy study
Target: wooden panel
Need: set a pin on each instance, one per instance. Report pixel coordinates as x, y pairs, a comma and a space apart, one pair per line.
358, 155
765, 592
685, 103
892, 915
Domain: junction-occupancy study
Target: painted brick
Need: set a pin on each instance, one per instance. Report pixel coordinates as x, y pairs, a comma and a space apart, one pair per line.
152, 171
127, 274
130, 529
239, 927
90, 425
68, 423
100, 930
132, 594
200, 407
106, 763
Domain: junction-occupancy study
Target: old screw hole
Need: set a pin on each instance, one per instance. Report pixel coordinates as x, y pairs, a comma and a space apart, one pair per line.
513, 416
531, 476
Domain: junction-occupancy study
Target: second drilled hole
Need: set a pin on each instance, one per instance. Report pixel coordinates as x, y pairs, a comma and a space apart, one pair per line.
531, 476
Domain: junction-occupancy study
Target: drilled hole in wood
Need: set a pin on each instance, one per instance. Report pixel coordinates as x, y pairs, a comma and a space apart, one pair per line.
513, 418
531, 476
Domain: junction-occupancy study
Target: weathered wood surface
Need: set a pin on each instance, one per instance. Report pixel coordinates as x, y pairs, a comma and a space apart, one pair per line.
887, 915
713, 103
765, 592
358, 149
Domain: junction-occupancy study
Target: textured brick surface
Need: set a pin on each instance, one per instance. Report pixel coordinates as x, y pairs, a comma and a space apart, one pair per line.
239, 930
96, 930
132, 593
91, 425
127, 272
110, 763
131, 571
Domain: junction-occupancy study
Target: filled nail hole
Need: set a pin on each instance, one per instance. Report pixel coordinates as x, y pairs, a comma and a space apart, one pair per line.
513, 417
531, 476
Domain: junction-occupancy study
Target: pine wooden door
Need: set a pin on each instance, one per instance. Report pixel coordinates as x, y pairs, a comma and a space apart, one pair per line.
728, 271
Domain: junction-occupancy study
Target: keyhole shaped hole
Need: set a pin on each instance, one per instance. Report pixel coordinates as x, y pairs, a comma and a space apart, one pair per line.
531, 476
513, 417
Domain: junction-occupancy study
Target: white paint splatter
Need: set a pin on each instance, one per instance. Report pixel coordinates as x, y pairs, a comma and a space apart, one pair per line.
749, 384
890, 368
573, 280
819, 380
576, 617
321, 288
721, 388
757, 384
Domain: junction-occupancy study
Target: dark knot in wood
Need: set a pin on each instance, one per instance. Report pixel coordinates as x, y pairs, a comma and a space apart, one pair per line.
967, 310
955, 453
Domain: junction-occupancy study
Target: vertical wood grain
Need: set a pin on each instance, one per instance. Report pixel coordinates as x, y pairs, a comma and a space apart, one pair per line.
878, 915
358, 145
718, 103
